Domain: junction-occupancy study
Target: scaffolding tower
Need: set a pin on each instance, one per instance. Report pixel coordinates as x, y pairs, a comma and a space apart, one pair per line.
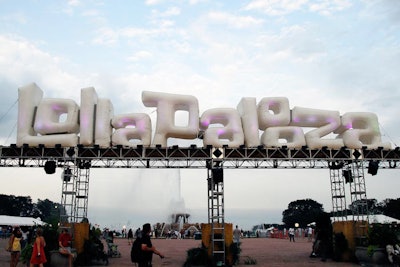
351, 173
75, 193
339, 207
216, 216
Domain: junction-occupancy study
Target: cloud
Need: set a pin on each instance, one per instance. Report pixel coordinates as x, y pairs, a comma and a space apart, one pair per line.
275, 7
280, 8
233, 21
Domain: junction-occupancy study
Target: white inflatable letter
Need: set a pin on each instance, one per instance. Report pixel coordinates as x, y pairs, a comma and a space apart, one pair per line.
362, 130
326, 122
30, 97
280, 115
248, 112
167, 105
103, 129
141, 132
48, 116
232, 129
293, 135
88, 103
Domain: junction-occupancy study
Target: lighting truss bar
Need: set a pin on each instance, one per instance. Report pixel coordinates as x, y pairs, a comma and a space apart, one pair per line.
194, 157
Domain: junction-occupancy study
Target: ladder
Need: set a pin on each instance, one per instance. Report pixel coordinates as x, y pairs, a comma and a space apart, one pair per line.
359, 204
216, 217
339, 207
74, 193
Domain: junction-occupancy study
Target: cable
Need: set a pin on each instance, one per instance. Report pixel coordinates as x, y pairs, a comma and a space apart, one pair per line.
16, 101
15, 124
12, 130
386, 134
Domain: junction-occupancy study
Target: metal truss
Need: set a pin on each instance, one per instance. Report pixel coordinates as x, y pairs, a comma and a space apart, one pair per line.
193, 157
81, 159
216, 211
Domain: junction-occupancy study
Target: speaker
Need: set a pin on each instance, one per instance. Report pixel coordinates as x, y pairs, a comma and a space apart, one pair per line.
218, 175
347, 176
50, 167
373, 167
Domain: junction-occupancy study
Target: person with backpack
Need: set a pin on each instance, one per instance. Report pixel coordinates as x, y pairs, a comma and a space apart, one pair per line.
142, 248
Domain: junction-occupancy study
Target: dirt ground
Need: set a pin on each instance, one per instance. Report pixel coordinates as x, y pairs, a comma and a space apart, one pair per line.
269, 252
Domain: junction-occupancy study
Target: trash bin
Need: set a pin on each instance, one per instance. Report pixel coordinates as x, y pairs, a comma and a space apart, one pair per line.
197, 236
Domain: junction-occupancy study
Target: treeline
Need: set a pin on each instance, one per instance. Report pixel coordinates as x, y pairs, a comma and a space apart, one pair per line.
23, 206
305, 211
389, 207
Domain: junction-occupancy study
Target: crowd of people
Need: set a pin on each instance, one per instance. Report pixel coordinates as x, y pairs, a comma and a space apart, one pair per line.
20, 237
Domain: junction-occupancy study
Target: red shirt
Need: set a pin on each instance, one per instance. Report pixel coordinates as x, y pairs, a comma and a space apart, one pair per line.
65, 239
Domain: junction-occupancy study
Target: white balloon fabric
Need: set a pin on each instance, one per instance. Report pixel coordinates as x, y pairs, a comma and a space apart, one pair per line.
30, 99
140, 134
230, 133
271, 123
167, 105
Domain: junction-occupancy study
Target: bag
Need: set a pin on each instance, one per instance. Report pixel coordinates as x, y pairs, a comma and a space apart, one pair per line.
136, 250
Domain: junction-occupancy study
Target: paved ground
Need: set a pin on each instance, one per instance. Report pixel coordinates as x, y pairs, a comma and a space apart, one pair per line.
269, 252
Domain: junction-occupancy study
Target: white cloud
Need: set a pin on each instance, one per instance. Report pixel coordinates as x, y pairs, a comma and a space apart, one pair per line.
328, 7
140, 55
276, 7
234, 21
280, 8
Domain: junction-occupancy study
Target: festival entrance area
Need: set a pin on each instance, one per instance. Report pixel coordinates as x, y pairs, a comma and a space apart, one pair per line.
267, 251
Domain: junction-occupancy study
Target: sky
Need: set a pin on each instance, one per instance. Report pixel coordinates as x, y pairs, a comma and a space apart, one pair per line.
333, 55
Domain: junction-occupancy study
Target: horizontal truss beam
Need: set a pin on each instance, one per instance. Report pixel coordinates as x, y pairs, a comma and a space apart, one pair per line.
193, 157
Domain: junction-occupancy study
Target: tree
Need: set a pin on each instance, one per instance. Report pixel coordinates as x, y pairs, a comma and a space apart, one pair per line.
392, 208
16, 205
303, 212
372, 206
22, 206
49, 211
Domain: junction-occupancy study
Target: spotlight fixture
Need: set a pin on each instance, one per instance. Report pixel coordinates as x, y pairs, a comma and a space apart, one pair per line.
373, 167
50, 167
218, 175
67, 174
347, 176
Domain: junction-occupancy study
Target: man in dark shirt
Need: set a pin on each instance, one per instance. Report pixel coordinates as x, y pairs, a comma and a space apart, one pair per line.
147, 247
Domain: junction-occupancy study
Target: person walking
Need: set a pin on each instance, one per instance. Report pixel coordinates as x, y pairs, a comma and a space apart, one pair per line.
38, 255
236, 235
130, 236
291, 234
147, 248
14, 246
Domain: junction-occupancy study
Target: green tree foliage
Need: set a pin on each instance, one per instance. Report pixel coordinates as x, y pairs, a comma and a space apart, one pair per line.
47, 210
391, 208
302, 211
16, 205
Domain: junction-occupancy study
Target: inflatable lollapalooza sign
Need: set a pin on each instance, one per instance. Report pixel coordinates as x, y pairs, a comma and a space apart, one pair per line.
270, 122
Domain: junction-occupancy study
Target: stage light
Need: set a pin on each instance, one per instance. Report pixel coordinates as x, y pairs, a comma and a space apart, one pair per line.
336, 166
347, 176
218, 175
50, 167
373, 167
67, 174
